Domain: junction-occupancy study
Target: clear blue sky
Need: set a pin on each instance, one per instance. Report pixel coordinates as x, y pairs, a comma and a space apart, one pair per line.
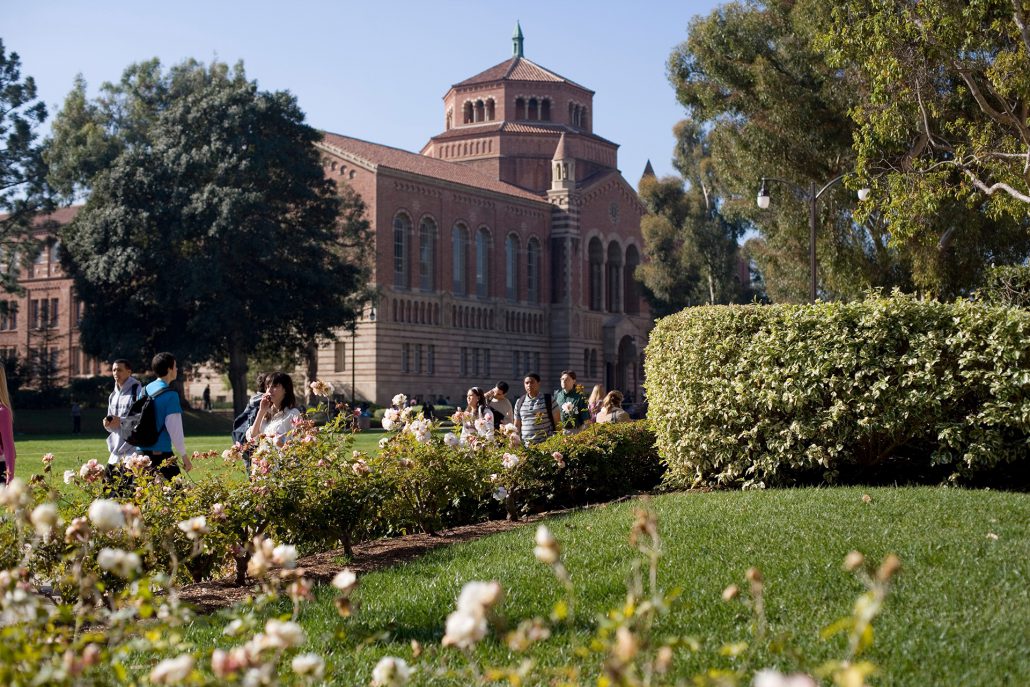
376, 70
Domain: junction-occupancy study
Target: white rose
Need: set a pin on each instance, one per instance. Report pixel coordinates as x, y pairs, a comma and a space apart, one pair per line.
774, 678
124, 564
43, 518
285, 634
69, 476
285, 555
451, 439
194, 527
399, 400
464, 630
172, 670
309, 664
13, 494
106, 515
391, 672
345, 581
476, 597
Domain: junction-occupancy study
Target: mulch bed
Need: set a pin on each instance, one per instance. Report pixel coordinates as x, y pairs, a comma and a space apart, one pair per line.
207, 597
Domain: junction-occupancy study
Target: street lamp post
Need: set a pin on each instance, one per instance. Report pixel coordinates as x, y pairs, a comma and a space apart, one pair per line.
811, 196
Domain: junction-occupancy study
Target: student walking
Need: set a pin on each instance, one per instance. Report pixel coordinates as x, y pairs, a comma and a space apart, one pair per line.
535, 415
7, 451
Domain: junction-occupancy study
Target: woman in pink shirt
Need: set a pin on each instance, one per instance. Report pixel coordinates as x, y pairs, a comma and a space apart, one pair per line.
7, 452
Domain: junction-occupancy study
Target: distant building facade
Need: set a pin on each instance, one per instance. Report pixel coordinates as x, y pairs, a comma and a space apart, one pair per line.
40, 327
507, 246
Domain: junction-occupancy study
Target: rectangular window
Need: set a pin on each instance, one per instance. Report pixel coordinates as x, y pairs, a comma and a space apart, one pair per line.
340, 356
463, 362
12, 315
431, 362
73, 361
34, 313
53, 312
77, 312
418, 358
406, 357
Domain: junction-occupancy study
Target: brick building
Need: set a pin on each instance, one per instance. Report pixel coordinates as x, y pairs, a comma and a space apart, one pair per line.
40, 326
507, 245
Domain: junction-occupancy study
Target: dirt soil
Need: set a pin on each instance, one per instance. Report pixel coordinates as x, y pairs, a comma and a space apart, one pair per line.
207, 597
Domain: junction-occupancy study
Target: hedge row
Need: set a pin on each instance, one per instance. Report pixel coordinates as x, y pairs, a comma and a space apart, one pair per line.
770, 395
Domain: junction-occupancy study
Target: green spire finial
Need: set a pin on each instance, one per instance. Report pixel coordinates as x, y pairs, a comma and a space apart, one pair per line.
516, 40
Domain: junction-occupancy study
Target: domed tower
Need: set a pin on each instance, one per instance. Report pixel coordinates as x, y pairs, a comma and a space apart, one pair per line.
507, 120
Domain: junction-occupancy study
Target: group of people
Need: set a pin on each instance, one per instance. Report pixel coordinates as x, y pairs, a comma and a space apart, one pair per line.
537, 415
269, 413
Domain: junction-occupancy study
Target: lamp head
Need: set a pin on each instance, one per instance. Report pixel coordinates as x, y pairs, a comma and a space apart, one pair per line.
763, 195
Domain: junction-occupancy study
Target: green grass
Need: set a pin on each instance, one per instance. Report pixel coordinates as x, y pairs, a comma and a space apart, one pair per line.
72, 450
958, 614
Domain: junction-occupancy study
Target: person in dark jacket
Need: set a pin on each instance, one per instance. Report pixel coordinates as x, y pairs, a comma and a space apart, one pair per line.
245, 419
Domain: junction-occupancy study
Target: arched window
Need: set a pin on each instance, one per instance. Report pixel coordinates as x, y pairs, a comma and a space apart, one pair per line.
595, 254
401, 249
480, 111
459, 259
427, 254
533, 271
545, 110
520, 108
511, 265
534, 112
490, 110
467, 113
629, 289
483, 263
614, 277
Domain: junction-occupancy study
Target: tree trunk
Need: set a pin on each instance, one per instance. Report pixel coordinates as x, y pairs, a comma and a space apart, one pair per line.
311, 360
238, 376
711, 288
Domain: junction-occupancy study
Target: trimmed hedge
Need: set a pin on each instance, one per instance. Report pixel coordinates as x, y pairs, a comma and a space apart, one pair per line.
771, 395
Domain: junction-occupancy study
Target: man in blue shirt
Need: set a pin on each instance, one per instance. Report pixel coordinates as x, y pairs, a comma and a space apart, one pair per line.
169, 420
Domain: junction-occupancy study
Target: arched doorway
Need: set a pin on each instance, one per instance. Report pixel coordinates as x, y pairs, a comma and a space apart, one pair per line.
626, 369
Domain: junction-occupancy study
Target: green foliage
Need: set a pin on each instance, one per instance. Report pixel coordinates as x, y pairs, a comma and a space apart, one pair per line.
758, 396
208, 205
691, 247
941, 123
24, 192
1008, 285
775, 98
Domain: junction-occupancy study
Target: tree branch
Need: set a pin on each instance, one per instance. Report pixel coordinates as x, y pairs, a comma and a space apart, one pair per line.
1004, 118
991, 190
1019, 17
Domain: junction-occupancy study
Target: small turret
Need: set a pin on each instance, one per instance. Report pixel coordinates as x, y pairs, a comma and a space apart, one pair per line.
648, 171
516, 40
563, 168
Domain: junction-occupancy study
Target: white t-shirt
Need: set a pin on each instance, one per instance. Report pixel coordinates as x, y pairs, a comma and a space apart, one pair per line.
277, 425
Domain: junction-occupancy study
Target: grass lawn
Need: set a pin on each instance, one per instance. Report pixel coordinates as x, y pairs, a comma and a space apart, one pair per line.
204, 432
959, 613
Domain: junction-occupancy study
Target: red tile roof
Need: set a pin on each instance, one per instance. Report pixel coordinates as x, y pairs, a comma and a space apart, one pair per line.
377, 155
59, 216
517, 69
533, 127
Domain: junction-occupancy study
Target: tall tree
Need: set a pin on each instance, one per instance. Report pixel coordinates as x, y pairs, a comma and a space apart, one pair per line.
757, 79
691, 247
210, 229
944, 126
23, 189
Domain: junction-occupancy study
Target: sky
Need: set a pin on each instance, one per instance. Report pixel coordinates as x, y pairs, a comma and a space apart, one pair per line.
376, 70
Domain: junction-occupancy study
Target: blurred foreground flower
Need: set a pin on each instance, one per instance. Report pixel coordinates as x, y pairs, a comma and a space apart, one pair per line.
391, 672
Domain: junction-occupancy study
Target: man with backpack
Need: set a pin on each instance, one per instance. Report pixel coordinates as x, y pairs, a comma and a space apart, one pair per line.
245, 419
535, 415
126, 390
154, 423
